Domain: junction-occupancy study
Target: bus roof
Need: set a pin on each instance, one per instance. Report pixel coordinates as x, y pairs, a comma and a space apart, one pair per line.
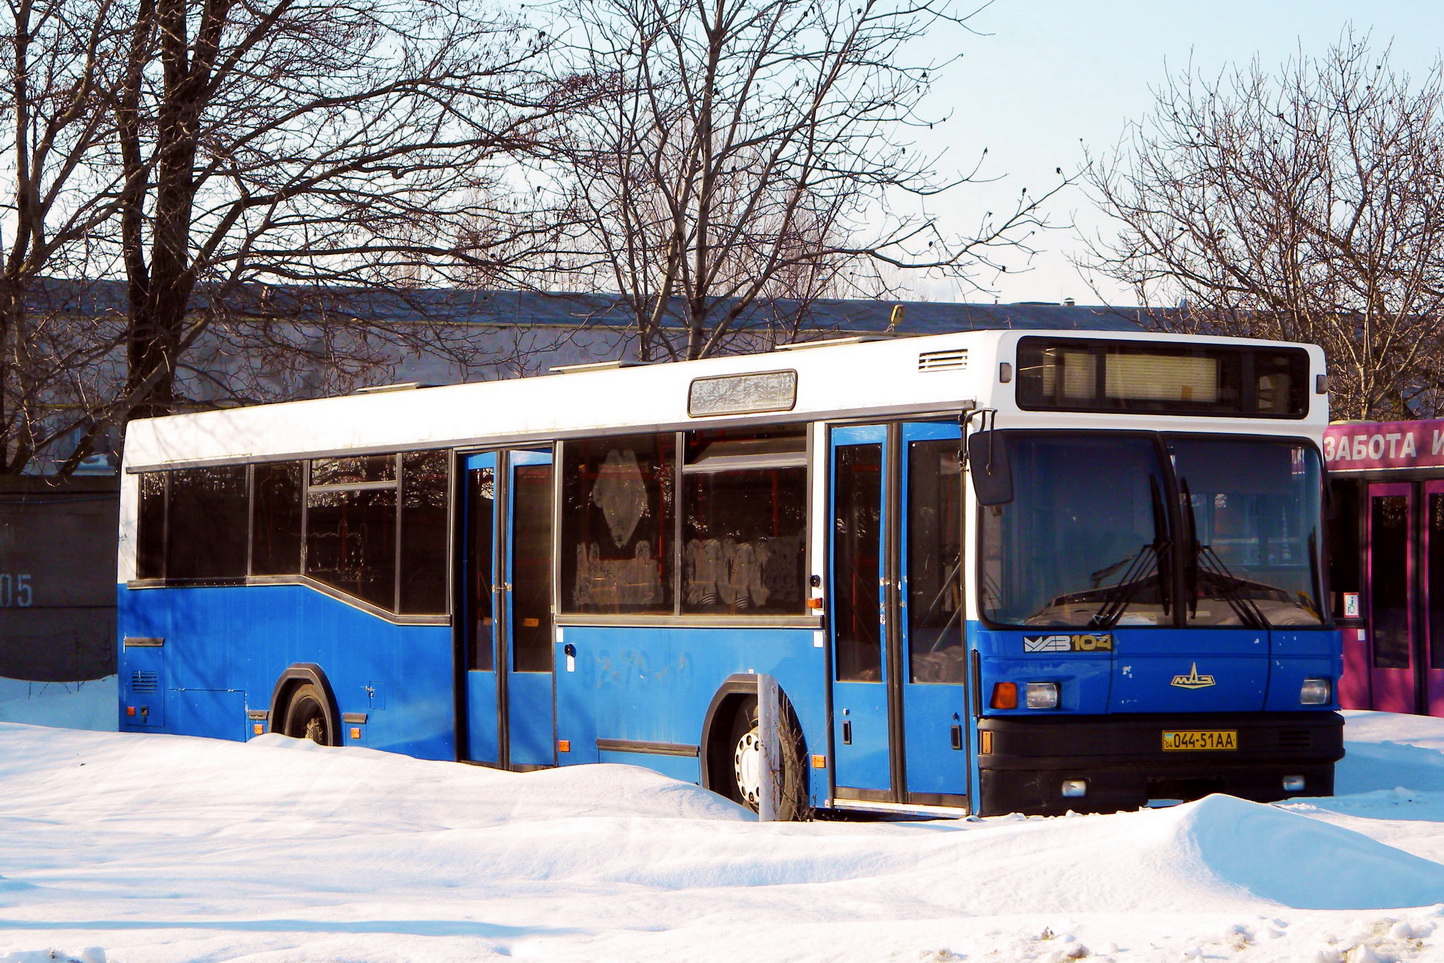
931, 375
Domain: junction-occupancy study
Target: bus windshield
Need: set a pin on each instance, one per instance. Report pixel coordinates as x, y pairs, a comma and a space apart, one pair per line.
1141, 529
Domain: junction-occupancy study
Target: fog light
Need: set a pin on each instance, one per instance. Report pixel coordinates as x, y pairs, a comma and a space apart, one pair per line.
1075, 788
1041, 695
1316, 692
1293, 783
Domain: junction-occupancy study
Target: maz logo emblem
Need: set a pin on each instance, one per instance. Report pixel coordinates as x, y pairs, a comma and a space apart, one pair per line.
1193, 680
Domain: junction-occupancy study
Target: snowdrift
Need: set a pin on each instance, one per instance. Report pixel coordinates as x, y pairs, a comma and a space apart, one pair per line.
167, 849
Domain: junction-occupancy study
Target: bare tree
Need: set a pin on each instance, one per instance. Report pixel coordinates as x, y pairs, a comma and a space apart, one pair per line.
213, 152
738, 150
313, 143
1307, 206
58, 62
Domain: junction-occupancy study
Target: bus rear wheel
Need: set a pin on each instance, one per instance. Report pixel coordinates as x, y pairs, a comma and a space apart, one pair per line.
306, 716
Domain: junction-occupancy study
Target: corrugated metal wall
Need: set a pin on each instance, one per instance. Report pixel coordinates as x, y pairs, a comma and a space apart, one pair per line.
57, 578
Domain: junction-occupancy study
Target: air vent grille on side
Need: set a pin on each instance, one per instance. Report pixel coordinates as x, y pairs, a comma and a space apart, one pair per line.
144, 682
948, 359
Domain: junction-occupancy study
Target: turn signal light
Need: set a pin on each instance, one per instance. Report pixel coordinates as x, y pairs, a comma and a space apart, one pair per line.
1316, 692
1005, 696
814, 603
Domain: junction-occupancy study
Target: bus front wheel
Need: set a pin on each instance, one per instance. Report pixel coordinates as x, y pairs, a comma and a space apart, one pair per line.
306, 716
746, 769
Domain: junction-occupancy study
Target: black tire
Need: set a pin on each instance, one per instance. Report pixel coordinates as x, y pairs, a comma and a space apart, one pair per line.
307, 716
742, 761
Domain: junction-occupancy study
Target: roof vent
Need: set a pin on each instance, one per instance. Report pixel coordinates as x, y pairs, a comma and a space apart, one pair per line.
947, 359
824, 343
594, 366
382, 389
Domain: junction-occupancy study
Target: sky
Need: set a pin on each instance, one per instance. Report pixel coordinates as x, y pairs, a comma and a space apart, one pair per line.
1047, 76
148, 848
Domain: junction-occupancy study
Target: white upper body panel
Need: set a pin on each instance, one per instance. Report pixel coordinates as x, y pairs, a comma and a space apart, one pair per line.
939, 374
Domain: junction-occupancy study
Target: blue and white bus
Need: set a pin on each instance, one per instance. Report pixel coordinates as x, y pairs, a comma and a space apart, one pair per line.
989, 572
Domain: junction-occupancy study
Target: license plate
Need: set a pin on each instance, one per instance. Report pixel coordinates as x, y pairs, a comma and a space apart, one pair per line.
1199, 740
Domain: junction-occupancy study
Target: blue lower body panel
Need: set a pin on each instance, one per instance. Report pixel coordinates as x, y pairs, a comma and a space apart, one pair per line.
213, 655
652, 687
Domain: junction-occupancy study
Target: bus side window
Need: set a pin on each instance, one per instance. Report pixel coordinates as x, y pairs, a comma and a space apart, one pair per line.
276, 519
351, 509
425, 482
744, 522
617, 500
207, 523
150, 526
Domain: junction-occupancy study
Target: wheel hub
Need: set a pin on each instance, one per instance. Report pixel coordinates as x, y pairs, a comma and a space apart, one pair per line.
747, 766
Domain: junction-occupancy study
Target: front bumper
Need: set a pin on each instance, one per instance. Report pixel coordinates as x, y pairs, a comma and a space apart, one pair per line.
1024, 762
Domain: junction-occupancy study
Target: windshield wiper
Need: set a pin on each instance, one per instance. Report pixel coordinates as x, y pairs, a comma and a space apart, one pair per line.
1204, 559
1153, 558
1228, 587
1140, 567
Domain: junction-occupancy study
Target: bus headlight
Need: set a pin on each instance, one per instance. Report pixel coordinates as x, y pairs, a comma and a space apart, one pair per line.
1041, 695
1316, 692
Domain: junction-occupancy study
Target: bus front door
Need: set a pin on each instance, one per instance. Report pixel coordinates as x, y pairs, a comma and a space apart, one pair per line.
899, 693
505, 611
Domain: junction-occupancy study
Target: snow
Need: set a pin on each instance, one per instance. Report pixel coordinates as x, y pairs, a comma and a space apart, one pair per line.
71, 705
123, 848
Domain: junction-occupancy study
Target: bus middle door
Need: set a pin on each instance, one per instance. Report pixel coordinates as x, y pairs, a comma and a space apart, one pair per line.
507, 715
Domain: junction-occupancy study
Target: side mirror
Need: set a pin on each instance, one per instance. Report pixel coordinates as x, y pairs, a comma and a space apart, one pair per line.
988, 464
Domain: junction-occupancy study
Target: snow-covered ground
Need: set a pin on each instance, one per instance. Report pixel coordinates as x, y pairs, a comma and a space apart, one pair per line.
118, 848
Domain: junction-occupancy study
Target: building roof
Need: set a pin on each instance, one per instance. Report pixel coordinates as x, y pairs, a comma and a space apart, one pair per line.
558, 309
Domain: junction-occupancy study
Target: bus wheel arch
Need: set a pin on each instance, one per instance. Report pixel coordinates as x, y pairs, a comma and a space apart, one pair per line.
729, 734
303, 705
